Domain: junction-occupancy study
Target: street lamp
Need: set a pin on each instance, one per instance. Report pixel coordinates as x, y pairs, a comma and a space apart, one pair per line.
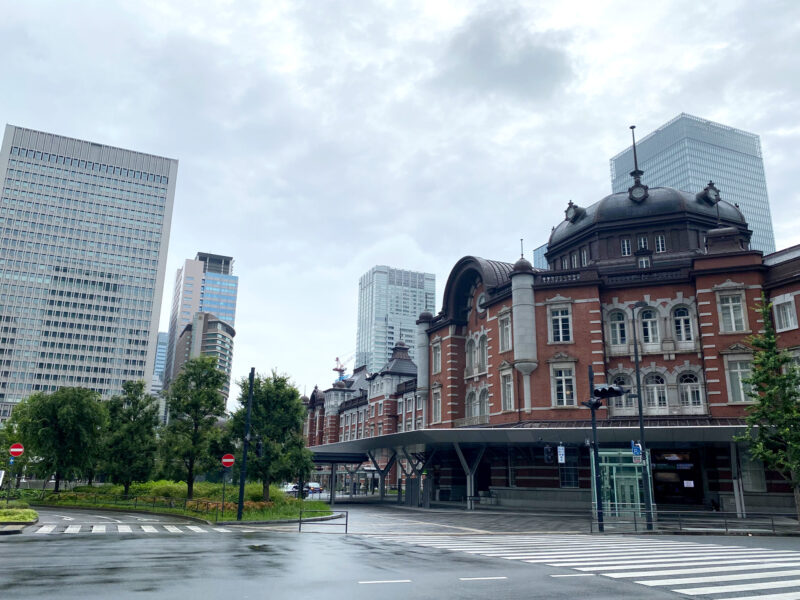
596, 401
648, 501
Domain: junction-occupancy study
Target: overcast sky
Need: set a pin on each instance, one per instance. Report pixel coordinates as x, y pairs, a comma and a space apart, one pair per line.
318, 139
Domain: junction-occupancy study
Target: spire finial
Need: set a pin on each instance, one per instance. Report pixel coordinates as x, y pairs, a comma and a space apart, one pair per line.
636, 173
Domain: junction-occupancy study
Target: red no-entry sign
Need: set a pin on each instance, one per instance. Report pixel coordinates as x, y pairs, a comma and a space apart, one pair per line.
227, 460
17, 450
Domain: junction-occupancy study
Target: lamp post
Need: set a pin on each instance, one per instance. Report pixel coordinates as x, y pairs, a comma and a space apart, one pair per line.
596, 401
648, 501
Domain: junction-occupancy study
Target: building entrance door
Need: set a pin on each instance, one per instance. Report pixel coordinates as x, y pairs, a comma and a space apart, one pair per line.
621, 481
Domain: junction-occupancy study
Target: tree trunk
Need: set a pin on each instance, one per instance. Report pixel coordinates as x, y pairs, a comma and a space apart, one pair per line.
58, 481
126, 487
265, 489
190, 480
796, 490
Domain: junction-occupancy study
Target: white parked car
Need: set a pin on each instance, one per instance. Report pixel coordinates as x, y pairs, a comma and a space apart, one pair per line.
289, 488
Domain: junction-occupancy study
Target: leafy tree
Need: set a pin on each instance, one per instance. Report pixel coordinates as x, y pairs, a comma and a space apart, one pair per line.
195, 405
130, 444
773, 421
63, 430
276, 422
9, 434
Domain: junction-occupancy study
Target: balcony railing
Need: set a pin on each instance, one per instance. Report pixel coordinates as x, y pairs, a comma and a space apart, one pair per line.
470, 421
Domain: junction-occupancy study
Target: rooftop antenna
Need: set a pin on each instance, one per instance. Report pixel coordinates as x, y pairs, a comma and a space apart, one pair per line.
636, 173
521, 251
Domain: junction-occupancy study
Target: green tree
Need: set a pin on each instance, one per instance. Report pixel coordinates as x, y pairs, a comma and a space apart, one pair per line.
130, 443
63, 430
195, 405
276, 422
773, 421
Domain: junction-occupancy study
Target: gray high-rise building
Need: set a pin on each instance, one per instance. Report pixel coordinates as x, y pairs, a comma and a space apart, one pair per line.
688, 152
389, 303
203, 285
157, 386
85, 229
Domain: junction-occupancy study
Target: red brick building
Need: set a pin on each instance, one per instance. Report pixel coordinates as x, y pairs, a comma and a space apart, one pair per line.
494, 407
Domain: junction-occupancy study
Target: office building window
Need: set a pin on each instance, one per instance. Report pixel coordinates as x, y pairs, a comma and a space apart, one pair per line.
437, 358
689, 390
738, 371
504, 325
683, 324
437, 406
655, 391
507, 390
785, 313
563, 385
560, 324
661, 243
650, 333
642, 242
625, 247
731, 313
616, 323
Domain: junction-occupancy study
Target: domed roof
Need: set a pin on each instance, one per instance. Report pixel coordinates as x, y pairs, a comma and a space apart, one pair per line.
660, 201
522, 266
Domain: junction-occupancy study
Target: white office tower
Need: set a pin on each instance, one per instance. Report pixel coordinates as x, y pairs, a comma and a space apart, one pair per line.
688, 152
389, 303
85, 230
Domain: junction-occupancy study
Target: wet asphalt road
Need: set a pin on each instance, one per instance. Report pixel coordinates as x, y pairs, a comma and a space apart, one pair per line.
244, 562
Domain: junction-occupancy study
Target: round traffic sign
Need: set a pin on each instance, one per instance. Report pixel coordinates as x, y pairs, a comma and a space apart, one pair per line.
16, 450
227, 460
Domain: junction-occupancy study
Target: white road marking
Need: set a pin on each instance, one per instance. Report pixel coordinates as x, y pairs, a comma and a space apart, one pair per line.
173, 529
196, 529
716, 578
98, 528
123, 528
109, 518
45, 529
787, 596
149, 529
745, 587
73, 529
692, 571
387, 581
481, 578
682, 563
222, 529
575, 575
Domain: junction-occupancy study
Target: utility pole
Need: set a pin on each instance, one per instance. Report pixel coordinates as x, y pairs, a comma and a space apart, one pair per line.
243, 475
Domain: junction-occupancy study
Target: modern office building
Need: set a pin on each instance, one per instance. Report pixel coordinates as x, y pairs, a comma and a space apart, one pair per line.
389, 302
85, 229
688, 152
539, 259
157, 385
207, 335
203, 285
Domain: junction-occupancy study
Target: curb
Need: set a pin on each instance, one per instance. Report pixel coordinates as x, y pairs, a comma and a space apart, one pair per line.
122, 510
9, 528
283, 521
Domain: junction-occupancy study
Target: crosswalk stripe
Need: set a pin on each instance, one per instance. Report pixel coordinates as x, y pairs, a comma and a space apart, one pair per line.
149, 529
745, 587
173, 529
45, 529
620, 564
221, 529
196, 528
124, 528
715, 578
609, 557
98, 528
73, 529
691, 571
786, 596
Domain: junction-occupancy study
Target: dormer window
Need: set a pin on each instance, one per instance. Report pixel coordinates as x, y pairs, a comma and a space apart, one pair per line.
642, 242
625, 246
661, 243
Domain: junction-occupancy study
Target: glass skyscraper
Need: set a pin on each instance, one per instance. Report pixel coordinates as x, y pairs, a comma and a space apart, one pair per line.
85, 229
203, 285
688, 152
389, 303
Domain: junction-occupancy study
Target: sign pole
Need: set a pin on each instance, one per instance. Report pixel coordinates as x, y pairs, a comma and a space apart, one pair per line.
14, 450
223, 493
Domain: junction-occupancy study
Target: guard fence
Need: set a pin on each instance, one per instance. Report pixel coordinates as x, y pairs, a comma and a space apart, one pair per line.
698, 522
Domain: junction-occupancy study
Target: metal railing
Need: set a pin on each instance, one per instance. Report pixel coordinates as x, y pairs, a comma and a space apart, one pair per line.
332, 521
700, 522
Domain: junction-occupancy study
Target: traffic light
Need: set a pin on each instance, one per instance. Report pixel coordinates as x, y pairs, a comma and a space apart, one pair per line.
548, 455
608, 391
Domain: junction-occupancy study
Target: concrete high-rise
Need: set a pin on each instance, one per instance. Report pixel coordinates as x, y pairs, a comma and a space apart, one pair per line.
688, 152
389, 303
203, 285
206, 335
85, 229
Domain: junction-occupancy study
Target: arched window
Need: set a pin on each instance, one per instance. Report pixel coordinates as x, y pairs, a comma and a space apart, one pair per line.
471, 405
483, 354
650, 327
689, 390
624, 401
470, 356
655, 391
683, 324
619, 335
484, 402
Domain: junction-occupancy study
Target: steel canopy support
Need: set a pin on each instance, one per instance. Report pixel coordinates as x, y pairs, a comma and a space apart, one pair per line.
469, 471
382, 472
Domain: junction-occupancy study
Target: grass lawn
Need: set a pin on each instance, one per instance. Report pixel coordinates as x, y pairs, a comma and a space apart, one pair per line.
18, 515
